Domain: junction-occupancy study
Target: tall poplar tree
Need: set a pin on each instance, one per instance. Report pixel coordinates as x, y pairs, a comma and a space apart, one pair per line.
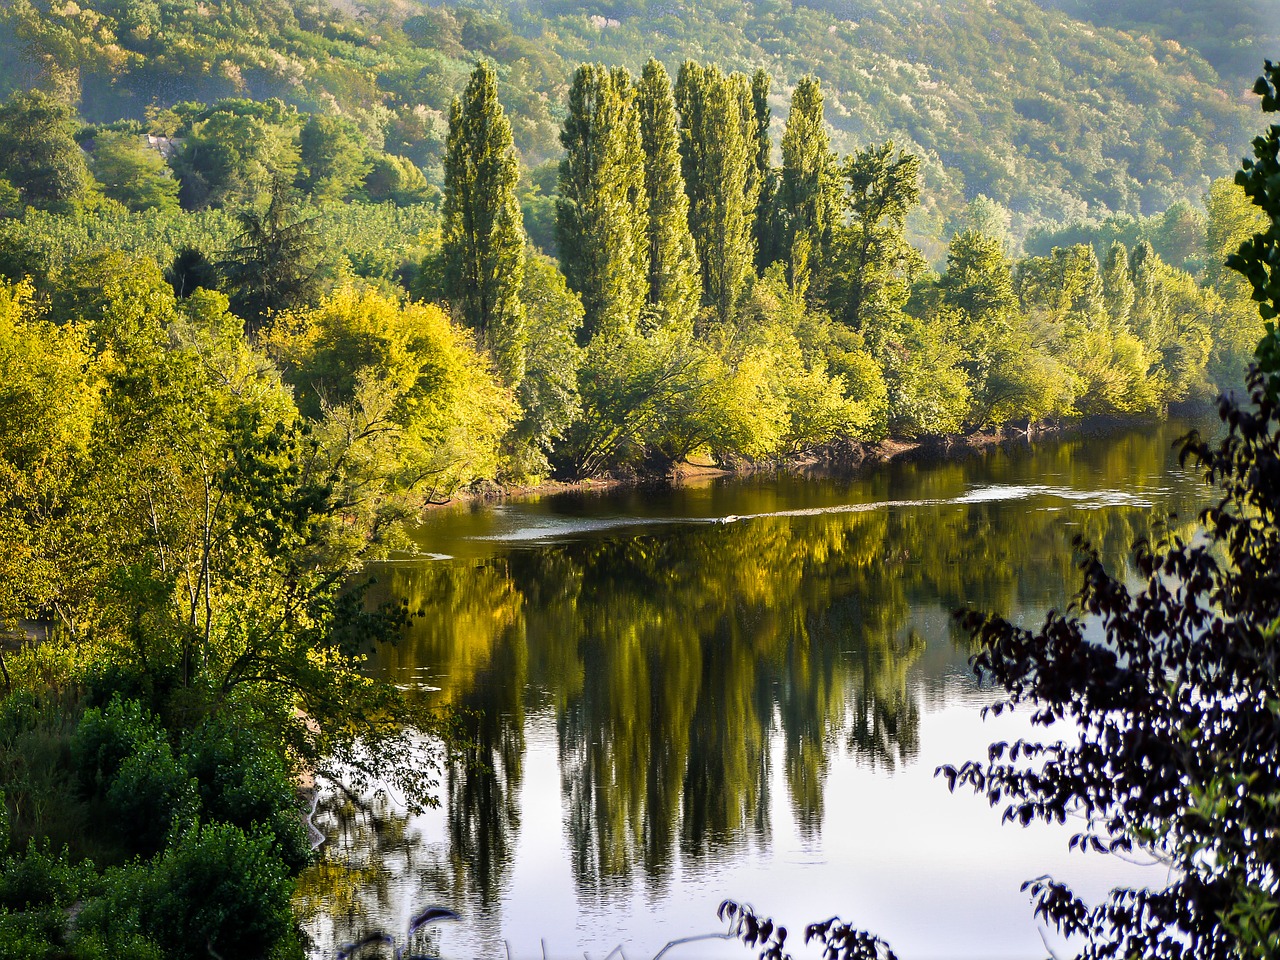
767, 176
602, 211
484, 241
717, 144
806, 198
674, 285
1118, 291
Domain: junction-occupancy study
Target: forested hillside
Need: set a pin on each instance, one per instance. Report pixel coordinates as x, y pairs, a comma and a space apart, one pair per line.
1233, 35
1052, 117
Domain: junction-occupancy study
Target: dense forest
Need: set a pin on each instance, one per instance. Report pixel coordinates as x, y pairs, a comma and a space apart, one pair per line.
273, 276
667, 290
1052, 117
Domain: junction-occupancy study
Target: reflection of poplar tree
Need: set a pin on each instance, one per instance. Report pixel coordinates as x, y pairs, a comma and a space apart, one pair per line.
674, 285
717, 147
602, 208
483, 226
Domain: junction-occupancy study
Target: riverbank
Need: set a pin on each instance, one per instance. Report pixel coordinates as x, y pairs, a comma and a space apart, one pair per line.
842, 458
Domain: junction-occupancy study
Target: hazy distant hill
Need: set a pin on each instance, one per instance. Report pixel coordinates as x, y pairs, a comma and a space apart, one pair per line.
1052, 116
1234, 36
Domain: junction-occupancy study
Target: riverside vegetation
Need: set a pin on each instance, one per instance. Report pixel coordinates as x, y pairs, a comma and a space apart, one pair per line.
234, 364
1175, 707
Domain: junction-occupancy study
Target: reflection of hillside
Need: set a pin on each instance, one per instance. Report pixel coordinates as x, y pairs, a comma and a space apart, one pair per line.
679, 662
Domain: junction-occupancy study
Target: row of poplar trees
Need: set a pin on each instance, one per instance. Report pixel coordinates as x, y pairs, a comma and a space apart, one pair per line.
667, 204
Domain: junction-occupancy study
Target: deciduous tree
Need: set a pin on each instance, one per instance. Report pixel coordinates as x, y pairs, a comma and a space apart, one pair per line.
674, 285
602, 210
38, 154
484, 241
718, 151
806, 203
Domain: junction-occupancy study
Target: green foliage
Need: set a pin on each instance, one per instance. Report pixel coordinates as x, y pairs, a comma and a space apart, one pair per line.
42, 804
396, 180
333, 158
484, 242
1051, 117
674, 288
548, 395
234, 152
718, 151
215, 889
243, 781
48, 403
1258, 257
38, 155
132, 173
872, 260
150, 795
630, 385
763, 232
274, 262
38, 877
1011, 377
404, 378
928, 391
123, 759
1231, 219
105, 738
538, 204
1232, 35
602, 207
807, 202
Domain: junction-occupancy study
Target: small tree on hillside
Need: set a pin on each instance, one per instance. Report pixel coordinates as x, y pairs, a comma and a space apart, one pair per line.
275, 262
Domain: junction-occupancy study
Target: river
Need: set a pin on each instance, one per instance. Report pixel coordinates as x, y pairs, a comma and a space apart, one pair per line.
735, 689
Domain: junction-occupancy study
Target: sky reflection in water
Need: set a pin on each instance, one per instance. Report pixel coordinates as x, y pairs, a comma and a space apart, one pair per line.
668, 709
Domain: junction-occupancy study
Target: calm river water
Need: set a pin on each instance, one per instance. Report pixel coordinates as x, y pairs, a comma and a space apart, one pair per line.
738, 689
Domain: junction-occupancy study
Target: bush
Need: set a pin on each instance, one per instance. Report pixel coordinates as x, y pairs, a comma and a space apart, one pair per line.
150, 795
243, 782
124, 760
36, 888
106, 737
217, 891
113, 680
32, 935
38, 878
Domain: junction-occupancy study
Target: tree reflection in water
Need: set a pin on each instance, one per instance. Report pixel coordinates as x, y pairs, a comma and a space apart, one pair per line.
677, 662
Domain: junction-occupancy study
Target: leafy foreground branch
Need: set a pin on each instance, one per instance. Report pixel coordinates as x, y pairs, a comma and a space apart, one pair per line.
1176, 706
839, 940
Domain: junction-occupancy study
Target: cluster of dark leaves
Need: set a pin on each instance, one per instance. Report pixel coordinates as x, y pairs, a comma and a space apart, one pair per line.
1177, 704
839, 940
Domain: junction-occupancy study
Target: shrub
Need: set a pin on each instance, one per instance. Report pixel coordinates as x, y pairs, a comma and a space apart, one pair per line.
106, 737
243, 781
150, 794
218, 888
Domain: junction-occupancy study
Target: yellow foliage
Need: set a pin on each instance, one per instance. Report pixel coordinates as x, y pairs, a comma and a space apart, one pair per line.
366, 366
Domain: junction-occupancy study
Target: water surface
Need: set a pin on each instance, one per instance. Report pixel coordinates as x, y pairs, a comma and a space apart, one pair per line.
737, 689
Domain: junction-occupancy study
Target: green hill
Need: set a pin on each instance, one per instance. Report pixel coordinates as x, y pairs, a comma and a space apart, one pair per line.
1235, 36
1053, 117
